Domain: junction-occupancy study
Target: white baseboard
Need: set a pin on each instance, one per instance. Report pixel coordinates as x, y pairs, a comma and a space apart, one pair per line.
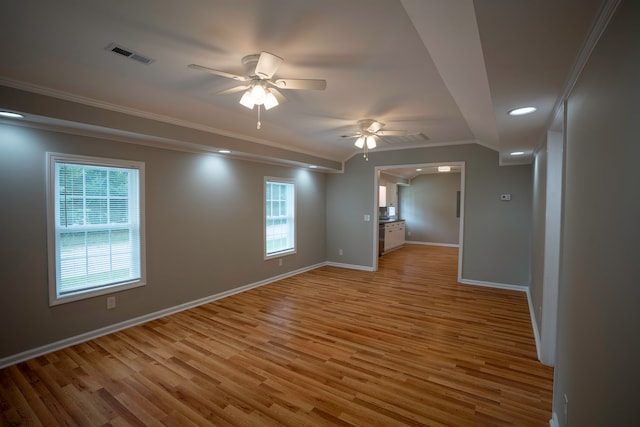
519, 288
350, 266
449, 245
534, 324
58, 345
553, 422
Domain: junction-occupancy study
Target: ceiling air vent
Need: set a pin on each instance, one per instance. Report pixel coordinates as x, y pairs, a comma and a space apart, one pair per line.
407, 139
120, 50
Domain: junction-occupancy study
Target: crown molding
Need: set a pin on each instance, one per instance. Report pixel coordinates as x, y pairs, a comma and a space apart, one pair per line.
67, 96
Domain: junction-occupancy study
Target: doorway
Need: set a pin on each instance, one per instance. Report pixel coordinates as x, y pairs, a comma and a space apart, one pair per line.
407, 173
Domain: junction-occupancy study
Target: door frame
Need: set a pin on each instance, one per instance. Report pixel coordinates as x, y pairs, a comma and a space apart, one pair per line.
376, 180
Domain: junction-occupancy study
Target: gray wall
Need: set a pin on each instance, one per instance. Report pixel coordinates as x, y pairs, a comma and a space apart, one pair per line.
598, 346
538, 240
203, 224
428, 205
497, 235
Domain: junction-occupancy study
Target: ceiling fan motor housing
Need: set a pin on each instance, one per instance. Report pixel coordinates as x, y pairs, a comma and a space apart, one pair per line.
250, 62
365, 124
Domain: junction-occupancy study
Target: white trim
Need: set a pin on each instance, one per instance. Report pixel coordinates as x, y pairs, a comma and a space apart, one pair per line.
534, 325
463, 192
519, 288
55, 298
67, 342
553, 422
350, 266
552, 247
376, 181
421, 146
67, 96
294, 249
448, 245
595, 32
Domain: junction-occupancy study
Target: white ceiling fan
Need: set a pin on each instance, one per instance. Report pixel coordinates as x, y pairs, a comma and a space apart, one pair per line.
260, 88
370, 131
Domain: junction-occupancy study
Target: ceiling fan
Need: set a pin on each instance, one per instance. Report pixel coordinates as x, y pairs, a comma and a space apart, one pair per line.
370, 131
260, 88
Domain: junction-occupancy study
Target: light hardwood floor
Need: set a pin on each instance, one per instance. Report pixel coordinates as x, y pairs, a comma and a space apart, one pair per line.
406, 345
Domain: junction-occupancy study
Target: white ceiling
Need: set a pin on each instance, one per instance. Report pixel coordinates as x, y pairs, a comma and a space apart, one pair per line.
447, 69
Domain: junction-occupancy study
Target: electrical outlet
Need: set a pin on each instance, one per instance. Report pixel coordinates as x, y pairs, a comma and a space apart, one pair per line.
339, 251
280, 262
111, 303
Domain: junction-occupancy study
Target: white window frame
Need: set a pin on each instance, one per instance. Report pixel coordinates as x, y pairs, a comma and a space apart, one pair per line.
55, 296
289, 251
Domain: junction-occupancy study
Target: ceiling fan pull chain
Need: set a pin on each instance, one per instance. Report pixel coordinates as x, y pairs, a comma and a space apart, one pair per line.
259, 124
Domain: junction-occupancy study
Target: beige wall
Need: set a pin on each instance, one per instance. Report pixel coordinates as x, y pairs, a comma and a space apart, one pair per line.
497, 235
598, 343
428, 205
203, 225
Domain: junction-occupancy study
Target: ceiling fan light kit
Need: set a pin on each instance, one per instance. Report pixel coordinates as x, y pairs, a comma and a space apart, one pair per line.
262, 90
259, 95
259, 70
370, 130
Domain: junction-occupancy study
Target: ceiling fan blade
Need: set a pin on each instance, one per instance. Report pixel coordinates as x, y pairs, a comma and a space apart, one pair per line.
375, 126
234, 89
309, 84
353, 135
268, 64
279, 96
392, 133
218, 72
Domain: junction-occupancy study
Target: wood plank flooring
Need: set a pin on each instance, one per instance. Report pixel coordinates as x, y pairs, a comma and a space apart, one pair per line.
406, 345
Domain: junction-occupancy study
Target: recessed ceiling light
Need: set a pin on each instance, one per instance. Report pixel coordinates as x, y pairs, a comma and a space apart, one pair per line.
224, 151
11, 115
521, 111
418, 170
444, 168
313, 167
517, 153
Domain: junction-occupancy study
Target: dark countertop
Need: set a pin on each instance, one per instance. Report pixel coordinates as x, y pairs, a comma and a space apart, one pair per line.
387, 221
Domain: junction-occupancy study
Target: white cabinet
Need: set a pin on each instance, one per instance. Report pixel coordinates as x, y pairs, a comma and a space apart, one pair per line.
392, 194
382, 196
393, 235
400, 236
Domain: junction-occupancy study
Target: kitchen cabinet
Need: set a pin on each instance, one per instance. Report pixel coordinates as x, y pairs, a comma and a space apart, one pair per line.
391, 235
382, 196
392, 194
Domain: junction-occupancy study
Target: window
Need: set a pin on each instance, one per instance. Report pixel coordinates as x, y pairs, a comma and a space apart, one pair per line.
279, 217
95, 226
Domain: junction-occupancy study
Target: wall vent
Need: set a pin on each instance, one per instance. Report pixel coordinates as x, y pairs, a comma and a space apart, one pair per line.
407, 139
120, 50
